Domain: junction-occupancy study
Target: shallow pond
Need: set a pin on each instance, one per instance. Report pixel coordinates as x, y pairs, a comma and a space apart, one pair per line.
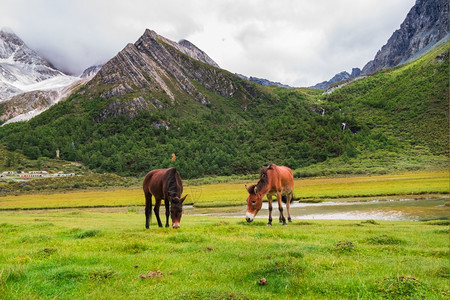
376, 209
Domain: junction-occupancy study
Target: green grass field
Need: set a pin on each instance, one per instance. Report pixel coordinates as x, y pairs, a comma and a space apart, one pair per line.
74, 254
226, 194
107, 254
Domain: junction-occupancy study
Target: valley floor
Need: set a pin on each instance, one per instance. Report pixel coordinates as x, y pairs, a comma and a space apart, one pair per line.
352, 188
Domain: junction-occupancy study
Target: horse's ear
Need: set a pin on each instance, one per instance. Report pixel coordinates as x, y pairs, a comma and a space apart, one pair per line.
182, 199
255, 189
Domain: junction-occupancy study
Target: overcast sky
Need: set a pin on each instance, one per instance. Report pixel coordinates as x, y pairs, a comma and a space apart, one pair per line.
296, 42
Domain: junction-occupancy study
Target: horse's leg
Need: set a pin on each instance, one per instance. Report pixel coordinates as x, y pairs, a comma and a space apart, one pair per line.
279, 217
166, 204
148, 209
280, 208
156, 210
269, 201
288, 207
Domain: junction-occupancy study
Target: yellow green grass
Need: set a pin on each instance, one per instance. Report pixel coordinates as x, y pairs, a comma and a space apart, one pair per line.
235, 193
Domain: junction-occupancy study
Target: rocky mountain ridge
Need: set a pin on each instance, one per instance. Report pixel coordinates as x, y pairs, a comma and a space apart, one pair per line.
263, 81
424, 26
342, 76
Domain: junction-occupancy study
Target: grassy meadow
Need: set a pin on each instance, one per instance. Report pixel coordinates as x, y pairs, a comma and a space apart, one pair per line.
71, 254
226, 194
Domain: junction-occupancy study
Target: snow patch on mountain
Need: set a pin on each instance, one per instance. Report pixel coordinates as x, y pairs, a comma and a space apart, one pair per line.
23, 70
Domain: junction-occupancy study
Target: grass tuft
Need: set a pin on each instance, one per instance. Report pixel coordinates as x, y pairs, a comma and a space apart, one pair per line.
384, 240
87, 234
100, 275
213, 294
344, 246
373, 222
439, 222
134, 248
187, 238
400, 287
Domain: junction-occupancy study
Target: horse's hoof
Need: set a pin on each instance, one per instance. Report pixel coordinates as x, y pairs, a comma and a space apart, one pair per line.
284, 223
289, 220
269, 224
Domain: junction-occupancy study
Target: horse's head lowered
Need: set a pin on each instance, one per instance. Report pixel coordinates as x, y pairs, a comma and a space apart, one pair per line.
254, 202
176, 210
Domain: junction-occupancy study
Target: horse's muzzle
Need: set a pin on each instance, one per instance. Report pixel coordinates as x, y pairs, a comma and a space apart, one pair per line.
176, 225
249, 217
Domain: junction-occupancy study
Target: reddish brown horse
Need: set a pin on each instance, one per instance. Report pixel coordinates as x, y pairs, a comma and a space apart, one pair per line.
164, 184
273, 180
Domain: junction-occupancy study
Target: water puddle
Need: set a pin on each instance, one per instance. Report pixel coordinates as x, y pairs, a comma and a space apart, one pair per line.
377, 209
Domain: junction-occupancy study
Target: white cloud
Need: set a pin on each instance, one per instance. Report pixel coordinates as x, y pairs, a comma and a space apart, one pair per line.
295, 42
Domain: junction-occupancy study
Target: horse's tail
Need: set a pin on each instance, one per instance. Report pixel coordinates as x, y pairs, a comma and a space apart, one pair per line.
148, 209
284, 198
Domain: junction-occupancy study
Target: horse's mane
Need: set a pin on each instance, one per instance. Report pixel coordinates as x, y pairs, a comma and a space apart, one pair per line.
172, 186
263, 179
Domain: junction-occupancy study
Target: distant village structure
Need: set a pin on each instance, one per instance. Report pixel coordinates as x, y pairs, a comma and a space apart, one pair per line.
13, 175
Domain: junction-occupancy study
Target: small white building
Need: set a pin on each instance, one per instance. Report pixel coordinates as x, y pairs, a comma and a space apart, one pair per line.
9, 173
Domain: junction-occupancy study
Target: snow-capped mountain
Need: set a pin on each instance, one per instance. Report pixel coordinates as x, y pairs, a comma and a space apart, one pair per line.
91, 71
28, 83
23, 70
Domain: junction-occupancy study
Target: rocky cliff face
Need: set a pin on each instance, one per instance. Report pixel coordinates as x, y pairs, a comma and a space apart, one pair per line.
425, 25
155, 72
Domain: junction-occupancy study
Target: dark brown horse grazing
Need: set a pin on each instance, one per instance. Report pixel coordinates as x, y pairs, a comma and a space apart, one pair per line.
273, 180
164, 184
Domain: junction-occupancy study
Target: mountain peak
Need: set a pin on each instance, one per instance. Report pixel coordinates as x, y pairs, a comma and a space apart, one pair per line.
183, 46
159, 73
150, 33
10, 43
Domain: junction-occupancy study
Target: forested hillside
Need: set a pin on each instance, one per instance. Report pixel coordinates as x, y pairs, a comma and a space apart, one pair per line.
402, 111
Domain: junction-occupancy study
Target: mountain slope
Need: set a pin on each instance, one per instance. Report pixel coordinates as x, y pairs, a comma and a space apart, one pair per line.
409, 103
424, 26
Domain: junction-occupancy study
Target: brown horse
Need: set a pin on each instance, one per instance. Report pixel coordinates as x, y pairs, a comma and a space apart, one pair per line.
273, 180
164, 184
